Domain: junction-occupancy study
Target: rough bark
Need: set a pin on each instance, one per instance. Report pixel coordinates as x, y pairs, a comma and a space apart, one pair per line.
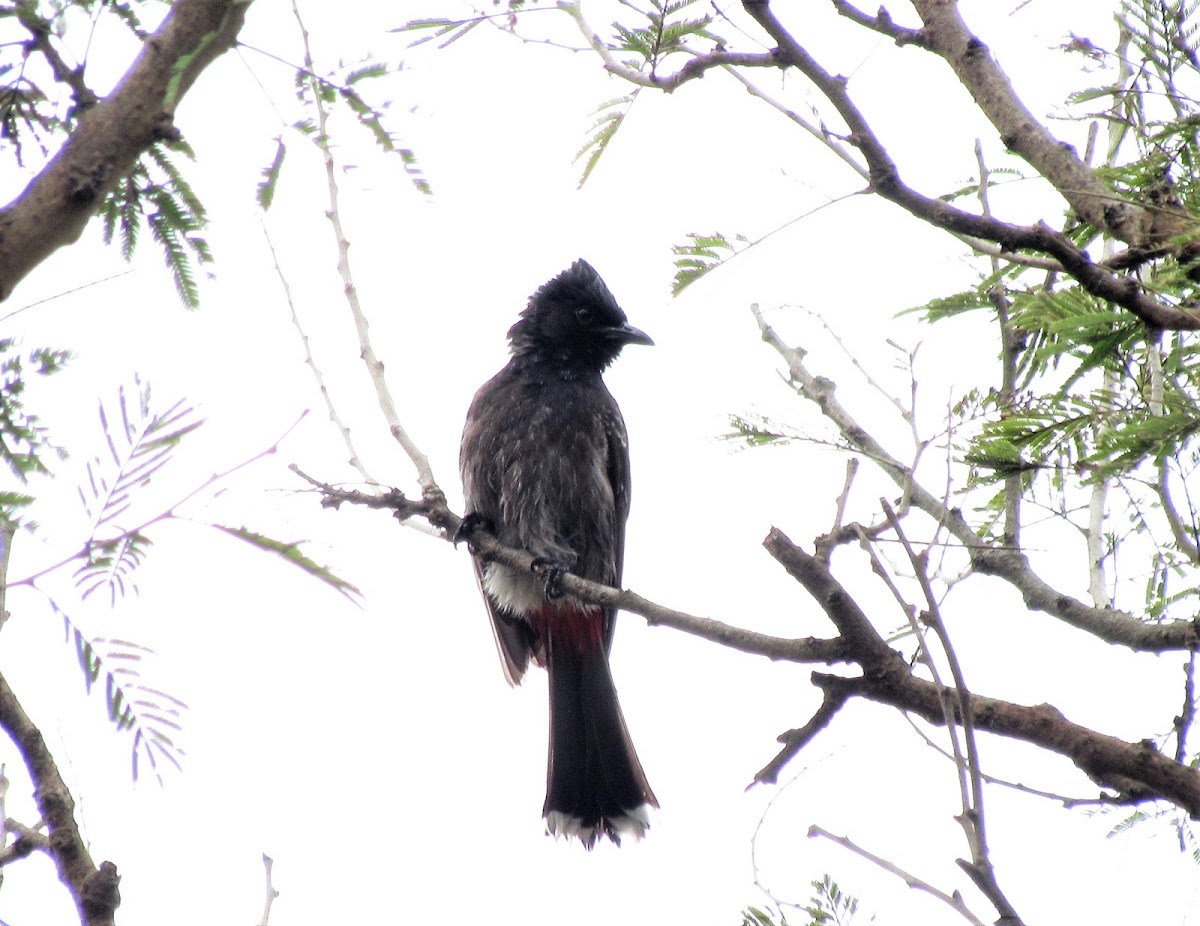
112, 134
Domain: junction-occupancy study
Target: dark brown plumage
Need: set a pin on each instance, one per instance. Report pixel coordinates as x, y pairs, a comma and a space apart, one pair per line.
545, 465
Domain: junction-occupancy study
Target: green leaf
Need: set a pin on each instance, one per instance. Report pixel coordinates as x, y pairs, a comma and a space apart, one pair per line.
24, 441
270, 175
291, 553
704, 254
454, 28
156, 194
609, 117
151, 714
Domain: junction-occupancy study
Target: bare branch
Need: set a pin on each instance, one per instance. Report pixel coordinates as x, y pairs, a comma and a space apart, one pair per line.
795, 740
882, 23
366, 350
28, 840
954, 901
1185, 534
1187, 713
355, 460
40, 31
483, 544
272, 893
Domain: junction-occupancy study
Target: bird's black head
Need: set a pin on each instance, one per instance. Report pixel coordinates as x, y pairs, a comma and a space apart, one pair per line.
573, 323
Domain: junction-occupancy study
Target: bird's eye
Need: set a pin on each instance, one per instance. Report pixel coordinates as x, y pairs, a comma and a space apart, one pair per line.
584, 315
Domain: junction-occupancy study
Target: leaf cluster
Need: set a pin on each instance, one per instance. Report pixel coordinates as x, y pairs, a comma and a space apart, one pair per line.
24, 440
150, 714
157, 196
140, 441
660, 33
339, 89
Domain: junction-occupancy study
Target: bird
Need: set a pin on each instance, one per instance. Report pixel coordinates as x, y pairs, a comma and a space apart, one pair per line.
545, 468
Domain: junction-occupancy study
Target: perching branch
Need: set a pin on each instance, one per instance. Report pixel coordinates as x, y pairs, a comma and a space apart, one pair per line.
435, 510
1136, 769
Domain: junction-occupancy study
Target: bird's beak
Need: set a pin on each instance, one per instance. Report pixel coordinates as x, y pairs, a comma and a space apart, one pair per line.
627, 334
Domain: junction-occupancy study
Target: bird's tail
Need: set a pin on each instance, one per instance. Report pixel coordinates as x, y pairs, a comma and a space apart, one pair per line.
595, 786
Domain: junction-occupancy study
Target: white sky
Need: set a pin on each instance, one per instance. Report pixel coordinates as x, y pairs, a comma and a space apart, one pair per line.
376, 753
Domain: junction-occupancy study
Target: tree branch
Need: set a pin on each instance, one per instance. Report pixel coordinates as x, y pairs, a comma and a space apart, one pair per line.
374, 365
946, 34
111, 135
39, 31
795, 740
1109, 624
483, 544
1138, 770
885, 179
76, 870
954, 901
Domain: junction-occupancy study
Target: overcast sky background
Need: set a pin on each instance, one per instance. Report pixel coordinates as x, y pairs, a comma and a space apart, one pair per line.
375, 751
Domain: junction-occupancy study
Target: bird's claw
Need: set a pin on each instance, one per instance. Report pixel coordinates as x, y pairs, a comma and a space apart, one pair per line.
552, 571
467, 526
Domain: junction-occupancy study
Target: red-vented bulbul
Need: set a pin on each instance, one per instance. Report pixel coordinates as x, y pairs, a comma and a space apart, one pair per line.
545, 467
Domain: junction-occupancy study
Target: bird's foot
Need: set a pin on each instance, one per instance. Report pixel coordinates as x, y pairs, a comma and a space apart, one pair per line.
552, 572
469, 524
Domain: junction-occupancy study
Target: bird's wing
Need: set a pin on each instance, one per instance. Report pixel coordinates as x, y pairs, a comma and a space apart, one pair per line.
512, 635
486, 424
619, 479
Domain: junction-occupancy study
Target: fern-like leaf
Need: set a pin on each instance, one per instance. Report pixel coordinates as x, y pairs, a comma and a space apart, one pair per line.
701, 256
24, 441
270, 175
157, 194
150, 714
609, 117
140, 441
439, 28
291, 553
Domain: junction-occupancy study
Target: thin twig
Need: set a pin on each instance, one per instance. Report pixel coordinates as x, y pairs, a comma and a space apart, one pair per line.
272, 893
973, 820
953, 901
1187, 715
367, 351
1185, 534
355, 460
795, 740
1106, 623
824, 545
